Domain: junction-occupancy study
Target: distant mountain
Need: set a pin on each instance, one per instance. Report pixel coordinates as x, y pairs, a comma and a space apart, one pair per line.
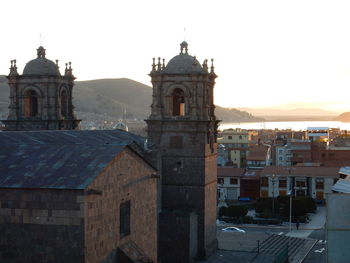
263, 112
111, 97
344, 117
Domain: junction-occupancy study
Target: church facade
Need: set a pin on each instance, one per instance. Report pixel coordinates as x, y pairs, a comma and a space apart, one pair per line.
182, 129
41, 98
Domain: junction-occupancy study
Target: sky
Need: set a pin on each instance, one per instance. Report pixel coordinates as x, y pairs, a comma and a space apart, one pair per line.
266, 53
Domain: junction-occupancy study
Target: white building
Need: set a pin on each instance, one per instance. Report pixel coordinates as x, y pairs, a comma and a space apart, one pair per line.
311, 181
228, 183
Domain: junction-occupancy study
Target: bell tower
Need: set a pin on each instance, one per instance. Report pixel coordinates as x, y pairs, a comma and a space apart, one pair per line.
41, 98
182, 129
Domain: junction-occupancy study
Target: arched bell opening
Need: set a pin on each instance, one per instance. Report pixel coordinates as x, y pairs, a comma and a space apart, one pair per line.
64, 103
178, 98
31, 104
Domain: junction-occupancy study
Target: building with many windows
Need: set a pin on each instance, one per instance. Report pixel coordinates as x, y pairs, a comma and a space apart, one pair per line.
315, 182
236, 144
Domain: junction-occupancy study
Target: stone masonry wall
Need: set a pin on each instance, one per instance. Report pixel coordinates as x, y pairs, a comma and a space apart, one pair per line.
41, 225
126, 178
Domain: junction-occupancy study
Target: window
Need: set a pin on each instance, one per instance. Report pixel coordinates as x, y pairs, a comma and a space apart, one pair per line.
240, 137
233, 181
319, 184
319, 195
30, 103
178, 102
220, 180
300, 183
282, 192
176, 142
282, 183
264, 181
264, 193
229, 137
64, 103
125, 219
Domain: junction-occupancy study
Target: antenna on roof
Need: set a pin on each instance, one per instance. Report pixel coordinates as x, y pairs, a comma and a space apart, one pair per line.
40, 40
184, 33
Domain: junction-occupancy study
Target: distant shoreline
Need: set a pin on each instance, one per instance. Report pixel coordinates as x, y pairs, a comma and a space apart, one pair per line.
287, 118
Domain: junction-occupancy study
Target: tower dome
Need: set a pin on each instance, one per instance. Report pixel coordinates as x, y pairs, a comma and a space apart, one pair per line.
183, 63
41, 65
121, 126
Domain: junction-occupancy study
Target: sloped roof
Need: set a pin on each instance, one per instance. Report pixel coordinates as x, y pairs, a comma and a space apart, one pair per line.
230, 171
257, 153
59, 159
342, 186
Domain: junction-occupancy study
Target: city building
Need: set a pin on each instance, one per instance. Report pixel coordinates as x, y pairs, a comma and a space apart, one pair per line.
259, 156
315, 182
250, 185
236, 145
182, 131
76, 196
41, 98
283, 155
229, 183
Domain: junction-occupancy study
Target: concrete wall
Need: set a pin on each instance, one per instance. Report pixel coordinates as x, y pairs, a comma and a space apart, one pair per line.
338, 228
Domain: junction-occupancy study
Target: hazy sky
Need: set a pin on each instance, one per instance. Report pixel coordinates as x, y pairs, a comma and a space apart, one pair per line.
267, 53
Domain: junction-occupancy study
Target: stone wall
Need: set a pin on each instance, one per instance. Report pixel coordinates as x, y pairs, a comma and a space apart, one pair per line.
41, 225
126, 178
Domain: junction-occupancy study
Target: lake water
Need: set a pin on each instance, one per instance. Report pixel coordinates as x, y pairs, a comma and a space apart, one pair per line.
294, 125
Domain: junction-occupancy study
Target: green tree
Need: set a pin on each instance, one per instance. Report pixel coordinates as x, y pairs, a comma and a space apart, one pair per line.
233, 211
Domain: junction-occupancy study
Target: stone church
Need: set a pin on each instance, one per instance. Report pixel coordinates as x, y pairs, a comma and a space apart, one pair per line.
103, 196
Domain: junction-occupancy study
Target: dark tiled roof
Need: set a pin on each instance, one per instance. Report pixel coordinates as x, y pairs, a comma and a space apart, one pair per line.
257, 153
59, 159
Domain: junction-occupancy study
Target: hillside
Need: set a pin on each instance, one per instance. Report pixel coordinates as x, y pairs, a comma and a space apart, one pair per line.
109, 98
344, 117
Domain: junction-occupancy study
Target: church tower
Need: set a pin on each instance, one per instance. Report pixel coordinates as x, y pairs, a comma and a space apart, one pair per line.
182, 129
41, 98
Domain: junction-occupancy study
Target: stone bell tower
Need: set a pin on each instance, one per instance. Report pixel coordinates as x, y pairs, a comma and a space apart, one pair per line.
41, 98
182, 128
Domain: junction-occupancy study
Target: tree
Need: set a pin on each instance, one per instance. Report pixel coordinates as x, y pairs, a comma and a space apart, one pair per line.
233, 211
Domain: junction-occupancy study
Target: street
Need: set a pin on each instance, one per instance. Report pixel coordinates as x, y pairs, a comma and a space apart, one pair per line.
318, 252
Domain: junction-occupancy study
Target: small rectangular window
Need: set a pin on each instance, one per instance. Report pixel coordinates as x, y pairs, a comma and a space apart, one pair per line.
319, 184
264, 194
282, 192
229, 137
220, 180
264, 181
282, 183
125, 219
233, 181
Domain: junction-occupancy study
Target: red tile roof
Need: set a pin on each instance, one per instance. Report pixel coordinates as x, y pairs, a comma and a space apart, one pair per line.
230, 172
257, 153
